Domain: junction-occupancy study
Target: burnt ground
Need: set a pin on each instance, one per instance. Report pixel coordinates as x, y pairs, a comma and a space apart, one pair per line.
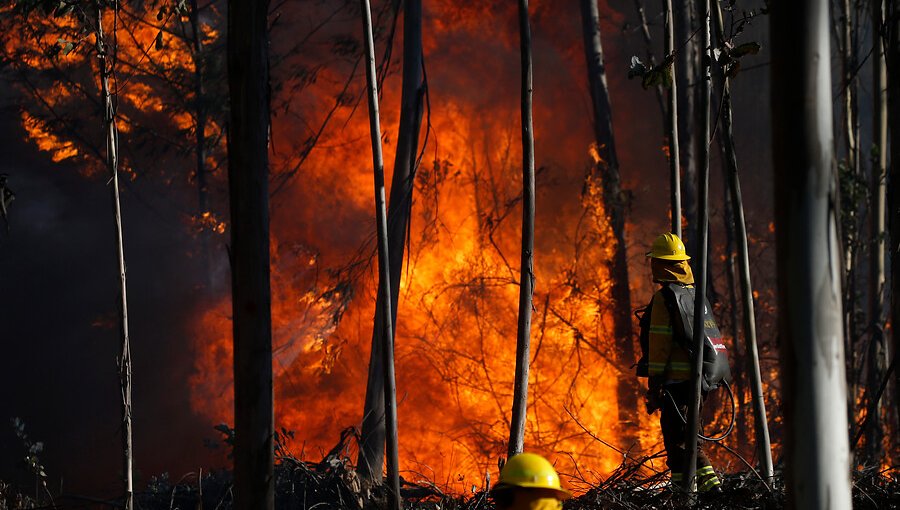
325, 486
332, 483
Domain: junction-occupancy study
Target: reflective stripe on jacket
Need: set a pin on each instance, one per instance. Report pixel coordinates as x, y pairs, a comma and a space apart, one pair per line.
666, 357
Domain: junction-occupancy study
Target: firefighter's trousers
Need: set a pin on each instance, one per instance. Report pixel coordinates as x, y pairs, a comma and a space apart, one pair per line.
673, 431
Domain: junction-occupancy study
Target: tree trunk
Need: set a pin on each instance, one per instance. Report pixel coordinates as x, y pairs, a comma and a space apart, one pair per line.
702, 226
371, 452
726, 134
648, 42
730, 272
384, 290
112, 165
526, 279
614, 207
848, 199
200, 137
672, 125
878, 355
248, 173
893, 97
809, 262
686, 72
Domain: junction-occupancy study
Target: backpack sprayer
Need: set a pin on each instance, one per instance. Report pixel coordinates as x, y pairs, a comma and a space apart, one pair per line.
679, 300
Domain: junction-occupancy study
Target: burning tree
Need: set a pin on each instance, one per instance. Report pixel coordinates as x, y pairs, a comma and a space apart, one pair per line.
458, 281
169, 90
406, 160
605, 177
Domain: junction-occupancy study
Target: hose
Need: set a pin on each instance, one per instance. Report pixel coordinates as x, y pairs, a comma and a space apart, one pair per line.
730, 425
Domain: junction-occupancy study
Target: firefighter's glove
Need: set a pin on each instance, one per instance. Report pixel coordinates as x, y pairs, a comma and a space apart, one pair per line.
654, 396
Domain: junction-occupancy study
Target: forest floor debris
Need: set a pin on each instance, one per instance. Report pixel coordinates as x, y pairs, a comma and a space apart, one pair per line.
332, 484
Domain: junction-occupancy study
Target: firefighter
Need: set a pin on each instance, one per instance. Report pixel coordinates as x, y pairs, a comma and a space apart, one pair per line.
528, 482
668, 363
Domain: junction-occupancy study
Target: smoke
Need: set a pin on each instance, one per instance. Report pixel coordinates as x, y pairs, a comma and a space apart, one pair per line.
60, 336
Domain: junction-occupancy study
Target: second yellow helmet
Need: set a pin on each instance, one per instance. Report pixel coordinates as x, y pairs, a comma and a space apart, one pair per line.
531, 471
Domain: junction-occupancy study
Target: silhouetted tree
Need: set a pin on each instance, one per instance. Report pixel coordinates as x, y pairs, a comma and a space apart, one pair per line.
384, 272
248, 185
371, 452
606, 168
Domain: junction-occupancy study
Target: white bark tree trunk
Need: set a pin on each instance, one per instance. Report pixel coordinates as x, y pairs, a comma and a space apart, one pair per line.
702, 254
384, 270
672, 124
371, 453
809, 261
526, 278
112, 164
878, 353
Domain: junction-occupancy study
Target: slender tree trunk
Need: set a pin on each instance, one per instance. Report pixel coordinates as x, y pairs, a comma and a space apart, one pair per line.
672, 125
726, 134
384, 291
809, 262
848, 70
200, 136
730, 272
849, 202
702, 226
648, 42
686, 73
893, 179
526, 280
763, 447
614, 207
371, 452
6, 198
248, 173
112, 165
878, 355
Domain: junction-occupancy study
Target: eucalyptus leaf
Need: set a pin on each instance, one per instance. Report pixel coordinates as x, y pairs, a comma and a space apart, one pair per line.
750, 48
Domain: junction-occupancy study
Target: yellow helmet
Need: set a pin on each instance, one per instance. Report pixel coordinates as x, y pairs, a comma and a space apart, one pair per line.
668, 247
531, 471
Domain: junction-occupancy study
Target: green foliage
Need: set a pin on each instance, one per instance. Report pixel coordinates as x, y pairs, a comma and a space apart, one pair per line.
6, 198
854, 194
750, 48
33, 448
661, 74
228, 432
32, 460
729, 56
728, 52
57, 8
